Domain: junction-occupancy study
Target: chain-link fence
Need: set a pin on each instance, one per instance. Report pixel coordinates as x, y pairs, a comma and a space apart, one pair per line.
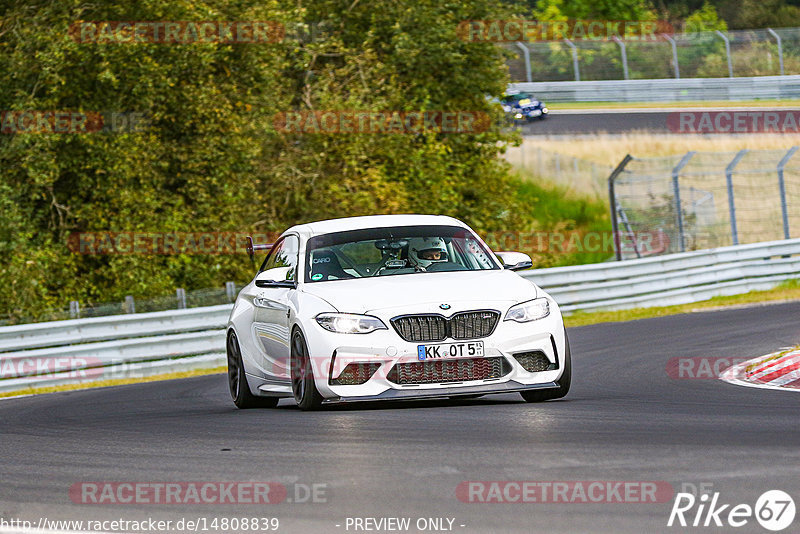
765, 52
725, 198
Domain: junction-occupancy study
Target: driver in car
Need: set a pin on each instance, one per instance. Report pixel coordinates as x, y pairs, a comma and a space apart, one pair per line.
424, 251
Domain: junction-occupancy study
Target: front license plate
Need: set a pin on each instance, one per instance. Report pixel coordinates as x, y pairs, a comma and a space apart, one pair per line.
468, 349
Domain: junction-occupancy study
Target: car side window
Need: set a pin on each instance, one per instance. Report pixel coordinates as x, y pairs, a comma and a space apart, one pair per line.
285, 254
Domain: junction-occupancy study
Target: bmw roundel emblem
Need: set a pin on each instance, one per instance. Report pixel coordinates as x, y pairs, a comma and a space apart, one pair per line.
444, 306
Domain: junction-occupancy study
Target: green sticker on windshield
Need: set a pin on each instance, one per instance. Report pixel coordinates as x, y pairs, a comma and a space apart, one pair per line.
317, 276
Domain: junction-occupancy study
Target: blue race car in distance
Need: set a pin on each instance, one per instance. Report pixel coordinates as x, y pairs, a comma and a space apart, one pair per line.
524, 106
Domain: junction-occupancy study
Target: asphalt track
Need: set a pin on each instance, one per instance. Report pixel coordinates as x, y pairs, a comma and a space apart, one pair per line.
595, 121
624, 420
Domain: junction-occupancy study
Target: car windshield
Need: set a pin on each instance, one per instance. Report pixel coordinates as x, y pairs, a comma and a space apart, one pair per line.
394, 251
519, 96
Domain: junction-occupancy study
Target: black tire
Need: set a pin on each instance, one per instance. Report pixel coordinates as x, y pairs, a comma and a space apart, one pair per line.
242, 397
539, 395
303, 387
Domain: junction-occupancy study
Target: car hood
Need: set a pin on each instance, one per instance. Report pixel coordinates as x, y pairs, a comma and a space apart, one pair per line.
425, 292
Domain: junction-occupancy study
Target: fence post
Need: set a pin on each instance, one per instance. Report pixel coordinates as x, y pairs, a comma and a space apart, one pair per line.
574, 59
180, 293
624, 53
727, 52
674, 54
780, 50
676, 191
612, 200
527, 55
731, 203
782, 188
130, 305
230, 290
74, 309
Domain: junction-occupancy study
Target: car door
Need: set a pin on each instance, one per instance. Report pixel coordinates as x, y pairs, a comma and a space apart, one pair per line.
271, 305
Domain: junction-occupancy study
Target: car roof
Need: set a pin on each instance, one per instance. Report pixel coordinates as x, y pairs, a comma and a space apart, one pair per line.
372, 221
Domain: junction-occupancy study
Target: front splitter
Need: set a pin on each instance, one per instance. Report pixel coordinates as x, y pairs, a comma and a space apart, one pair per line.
409, 394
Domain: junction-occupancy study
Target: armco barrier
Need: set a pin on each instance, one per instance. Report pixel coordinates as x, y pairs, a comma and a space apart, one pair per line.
665, 90
112, 327
143, 344
117, 346
671, 279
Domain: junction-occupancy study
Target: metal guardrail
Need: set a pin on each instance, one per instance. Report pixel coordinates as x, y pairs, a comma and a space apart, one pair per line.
142, 344
665, 90
59, 333
673, 279
121, 346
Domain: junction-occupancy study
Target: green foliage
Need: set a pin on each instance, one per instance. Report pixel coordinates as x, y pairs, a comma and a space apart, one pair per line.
594, 9
557, 217
705, 19
210, 159
766, 14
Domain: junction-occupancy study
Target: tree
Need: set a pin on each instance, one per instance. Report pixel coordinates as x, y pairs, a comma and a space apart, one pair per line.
210, 159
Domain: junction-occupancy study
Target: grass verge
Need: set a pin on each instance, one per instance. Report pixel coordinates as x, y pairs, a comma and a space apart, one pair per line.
113, 382
556, 224
786, 291
609, 149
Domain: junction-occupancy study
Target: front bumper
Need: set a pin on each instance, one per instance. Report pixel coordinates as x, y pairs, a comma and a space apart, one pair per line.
331, 353
510, 386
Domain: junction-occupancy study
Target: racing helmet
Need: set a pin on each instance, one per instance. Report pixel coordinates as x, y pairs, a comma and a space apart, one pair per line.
423, 251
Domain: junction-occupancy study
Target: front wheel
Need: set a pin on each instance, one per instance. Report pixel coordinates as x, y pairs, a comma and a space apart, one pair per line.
242, 397
303, 387
539, 395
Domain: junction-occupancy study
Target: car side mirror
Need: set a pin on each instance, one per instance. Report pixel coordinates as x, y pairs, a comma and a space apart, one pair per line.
276, 277
515, 261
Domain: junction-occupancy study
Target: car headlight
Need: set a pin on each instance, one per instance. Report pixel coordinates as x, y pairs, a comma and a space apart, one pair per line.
529, 311
518, 116
349, 323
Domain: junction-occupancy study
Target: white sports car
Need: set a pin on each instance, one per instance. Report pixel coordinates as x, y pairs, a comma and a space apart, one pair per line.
392, 307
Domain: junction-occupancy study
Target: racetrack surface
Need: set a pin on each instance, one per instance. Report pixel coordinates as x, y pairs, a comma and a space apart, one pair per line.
625, 419
581, 122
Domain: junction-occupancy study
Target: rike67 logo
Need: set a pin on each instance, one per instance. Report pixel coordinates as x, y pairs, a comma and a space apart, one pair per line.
774, 510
